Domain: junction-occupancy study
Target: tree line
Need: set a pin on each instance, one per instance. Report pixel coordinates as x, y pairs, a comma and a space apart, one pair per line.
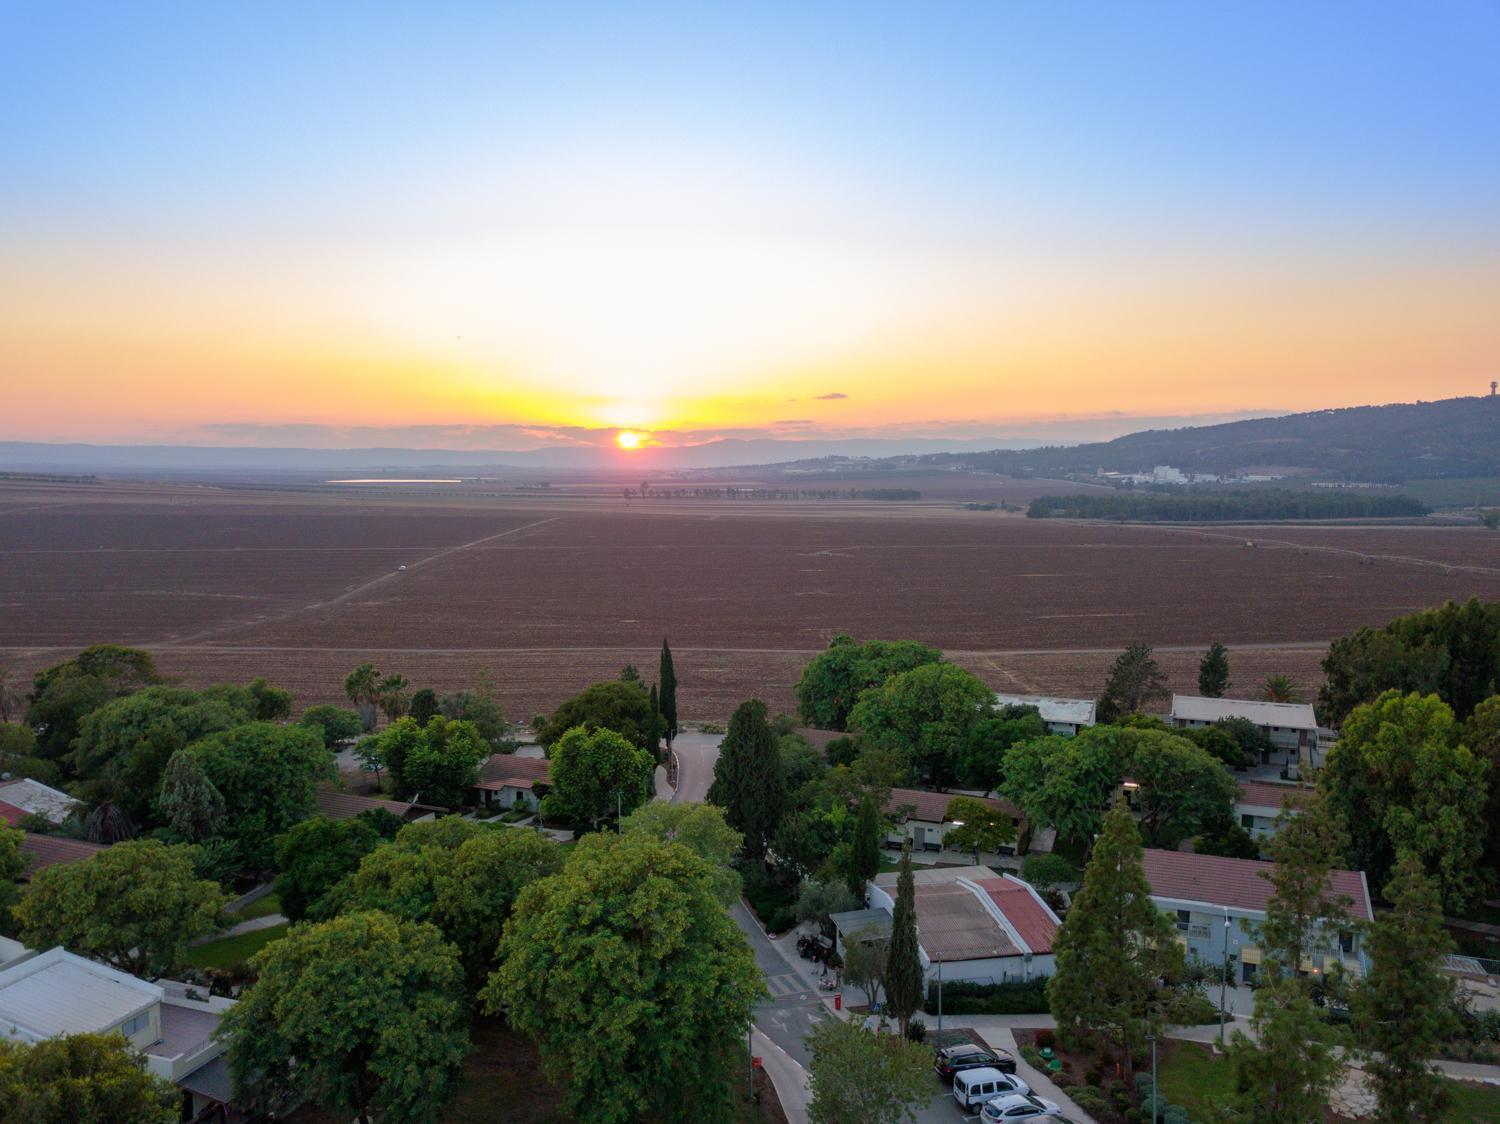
647, 492
1225, 506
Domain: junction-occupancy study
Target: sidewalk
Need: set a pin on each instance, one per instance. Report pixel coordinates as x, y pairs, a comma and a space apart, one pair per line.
787, 1077
270, 921
1002, 1038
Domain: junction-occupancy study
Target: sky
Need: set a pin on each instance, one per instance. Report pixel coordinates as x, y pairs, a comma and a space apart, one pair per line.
514, 226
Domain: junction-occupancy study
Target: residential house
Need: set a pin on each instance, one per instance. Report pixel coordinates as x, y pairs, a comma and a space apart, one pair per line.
922, 817
510, 781
974, 924
346, 805
1217, 904
44, 995
50, 850
1297, 742
1062, 716
37, 799
1261, 802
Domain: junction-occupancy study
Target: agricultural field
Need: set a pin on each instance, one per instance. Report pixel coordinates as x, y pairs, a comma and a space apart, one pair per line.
547, 594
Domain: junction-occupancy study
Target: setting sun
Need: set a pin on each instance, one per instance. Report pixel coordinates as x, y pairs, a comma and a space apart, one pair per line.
629, 439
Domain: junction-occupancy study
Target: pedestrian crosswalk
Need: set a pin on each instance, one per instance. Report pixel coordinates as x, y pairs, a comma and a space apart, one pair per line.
786, 984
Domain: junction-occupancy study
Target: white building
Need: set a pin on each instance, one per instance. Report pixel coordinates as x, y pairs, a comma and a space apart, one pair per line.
1291, 728
1062, 716
922, 817
509, 781
37, 799
974, 924
1260, 803
48, 994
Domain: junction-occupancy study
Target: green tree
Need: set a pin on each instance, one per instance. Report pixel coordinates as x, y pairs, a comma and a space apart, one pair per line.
832, 681
866, 955
1218, 742
1116, 953
904, 979
630, 674
668, 676
1064, 782
62, 694
631, 977
1180, 787
1287, 1072
622, 707
442, 763
1280, 689
1482, 736
13, 864
748, 783
391, 696
424, 704
654, 733
1135, 682
336, 723
364, 1013
188, 801
135, 906
1047, 869
982, 755
800, 761
862, 1078
597, 774
362, 686
864, 847
460, 876
1401, 779
701, 828
980, 827
76, 1077
1404, 1010
1213, 671
315, 856
268, 776
927, 714
480, 708
817, 901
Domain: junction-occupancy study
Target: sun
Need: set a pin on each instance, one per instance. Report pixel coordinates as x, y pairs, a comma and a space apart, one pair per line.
629, 439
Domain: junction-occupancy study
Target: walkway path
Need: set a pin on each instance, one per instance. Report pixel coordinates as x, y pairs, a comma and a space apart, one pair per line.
255, 924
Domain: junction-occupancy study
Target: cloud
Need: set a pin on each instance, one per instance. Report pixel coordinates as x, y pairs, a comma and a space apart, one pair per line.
835, 396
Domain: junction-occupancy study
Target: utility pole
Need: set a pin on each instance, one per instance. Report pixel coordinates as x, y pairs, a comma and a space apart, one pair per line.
940, 999
1224, 979
1152, 1039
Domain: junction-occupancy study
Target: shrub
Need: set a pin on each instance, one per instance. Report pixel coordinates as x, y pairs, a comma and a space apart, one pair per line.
1091, 1100
1064, 1080
1033, 1056
1046, 1039
1094, 1076
916, 1031
1176, 1114
1198, 1010
966, 998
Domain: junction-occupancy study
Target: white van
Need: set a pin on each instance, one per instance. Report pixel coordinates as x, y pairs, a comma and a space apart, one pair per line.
973, 1087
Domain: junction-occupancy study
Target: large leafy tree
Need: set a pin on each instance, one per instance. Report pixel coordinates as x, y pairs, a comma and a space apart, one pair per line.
1116, 953
980, 827
135, 906
748, 782
981, 758
1213, 671
460, 876
598, 773
632, 978
424, 704
441, 763
62, 694
615, 705
268, 775
1287, 1071
481, 708
1065, 782
76, 1077
123, 747
1181, 787
859, 1077
13, 864
668, 697
927, 714
1482, 736
1402, 780
336, 723
701, 828
1134, 683
1404, 1009
904, 978
315, 856
832, 680
364, 1014
188, 801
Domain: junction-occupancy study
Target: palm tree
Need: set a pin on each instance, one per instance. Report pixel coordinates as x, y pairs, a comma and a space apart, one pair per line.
1280, 688
363, 688
391, 695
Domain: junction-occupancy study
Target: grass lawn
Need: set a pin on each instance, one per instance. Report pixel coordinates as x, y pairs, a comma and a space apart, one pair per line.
1474, 1104
260, 907
231, 950
1192, 1076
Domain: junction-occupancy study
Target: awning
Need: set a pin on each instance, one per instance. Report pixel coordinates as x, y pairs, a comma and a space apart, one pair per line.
211, 1081
1249, 954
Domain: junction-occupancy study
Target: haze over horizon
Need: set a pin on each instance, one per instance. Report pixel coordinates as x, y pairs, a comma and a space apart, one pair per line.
477, 229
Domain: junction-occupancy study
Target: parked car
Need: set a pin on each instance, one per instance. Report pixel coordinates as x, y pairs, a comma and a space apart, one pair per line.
966, 1055
1019, 1109
974, 1087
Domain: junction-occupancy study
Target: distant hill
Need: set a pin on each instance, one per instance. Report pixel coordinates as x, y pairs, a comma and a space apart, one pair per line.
1380, 444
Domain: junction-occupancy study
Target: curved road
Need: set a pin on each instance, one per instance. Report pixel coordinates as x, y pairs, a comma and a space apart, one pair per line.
696, 754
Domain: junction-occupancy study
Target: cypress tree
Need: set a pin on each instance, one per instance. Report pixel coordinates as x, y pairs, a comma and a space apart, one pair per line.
748, 781
1213, 672
1116, 951
1403, 1012
904, 982
654, 728
668, 693
864, 851
1135, 681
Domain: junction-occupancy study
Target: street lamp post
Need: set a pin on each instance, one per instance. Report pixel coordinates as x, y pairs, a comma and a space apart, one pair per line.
1152, 1039
750, 1053
1224, 979
940, 999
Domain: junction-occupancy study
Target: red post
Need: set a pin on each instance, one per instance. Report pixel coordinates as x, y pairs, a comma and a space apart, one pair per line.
838, 1000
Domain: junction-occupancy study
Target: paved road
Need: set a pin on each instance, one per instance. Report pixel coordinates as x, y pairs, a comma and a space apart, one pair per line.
696, 754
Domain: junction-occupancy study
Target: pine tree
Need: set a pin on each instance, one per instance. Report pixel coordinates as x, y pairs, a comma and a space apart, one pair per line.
1213, 671
1289, 1070
748, 781
191, 804
654, 731
668, 693
1116, 952
904, 980
1134, 681
864, 849
1404, 1010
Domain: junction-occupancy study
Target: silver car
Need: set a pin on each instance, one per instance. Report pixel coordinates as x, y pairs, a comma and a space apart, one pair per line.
1019, 1109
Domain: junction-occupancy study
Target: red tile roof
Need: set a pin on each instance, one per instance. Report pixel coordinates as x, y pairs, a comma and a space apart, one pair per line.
1263, 795
952, 924
50, 850
932, 807
347, 805
1237, 883
1027, 916
506, 770
11, 814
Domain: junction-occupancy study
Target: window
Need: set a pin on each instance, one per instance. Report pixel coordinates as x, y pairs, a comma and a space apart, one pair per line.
1247, 821
134, 1026
1346, 942
1248, 971
1184, 918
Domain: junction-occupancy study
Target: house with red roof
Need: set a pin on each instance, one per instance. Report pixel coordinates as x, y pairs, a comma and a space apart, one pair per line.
1218, 905
922, 817
509, 781
54, 850
1261, 802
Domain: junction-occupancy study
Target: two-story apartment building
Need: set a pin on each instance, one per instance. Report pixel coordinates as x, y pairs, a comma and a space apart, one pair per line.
1292, 728
1062, 716
1217, 904
922, 817
1260, 803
